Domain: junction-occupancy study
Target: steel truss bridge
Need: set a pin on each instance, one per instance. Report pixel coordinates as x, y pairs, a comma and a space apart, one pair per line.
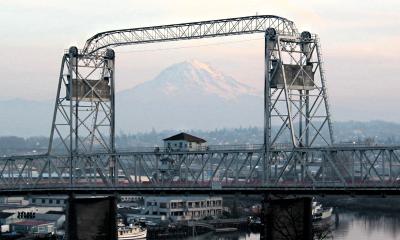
299, 157
372, 170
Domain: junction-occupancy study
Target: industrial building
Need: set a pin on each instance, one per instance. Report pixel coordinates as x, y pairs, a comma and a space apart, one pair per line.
33, 227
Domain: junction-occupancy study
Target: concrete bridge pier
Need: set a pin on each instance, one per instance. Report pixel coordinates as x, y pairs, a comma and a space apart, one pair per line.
286, 219
91, 218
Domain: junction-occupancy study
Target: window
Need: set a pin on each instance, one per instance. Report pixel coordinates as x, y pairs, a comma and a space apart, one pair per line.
50, 201
58, 201
169, 145
163, 205
33, 200
43, 201
180, 144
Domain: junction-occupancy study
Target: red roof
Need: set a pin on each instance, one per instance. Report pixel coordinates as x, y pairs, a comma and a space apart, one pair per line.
31, 223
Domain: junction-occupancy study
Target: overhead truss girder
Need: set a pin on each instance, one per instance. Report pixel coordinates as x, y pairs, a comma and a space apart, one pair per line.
186, 31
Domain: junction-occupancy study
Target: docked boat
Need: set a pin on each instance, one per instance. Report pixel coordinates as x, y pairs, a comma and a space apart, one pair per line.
132, 232
320, 213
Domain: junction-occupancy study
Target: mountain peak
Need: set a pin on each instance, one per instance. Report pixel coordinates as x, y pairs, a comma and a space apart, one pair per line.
200, 65
193, 65
197, 77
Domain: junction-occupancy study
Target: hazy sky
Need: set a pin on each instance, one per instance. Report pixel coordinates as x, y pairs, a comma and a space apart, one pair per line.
360, 42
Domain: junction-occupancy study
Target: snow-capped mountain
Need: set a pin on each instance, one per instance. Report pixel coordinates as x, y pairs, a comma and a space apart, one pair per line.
198, 76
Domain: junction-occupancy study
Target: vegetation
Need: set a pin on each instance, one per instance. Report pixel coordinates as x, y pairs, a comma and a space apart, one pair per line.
374, 132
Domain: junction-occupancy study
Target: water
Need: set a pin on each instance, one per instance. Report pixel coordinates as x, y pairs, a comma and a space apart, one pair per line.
351, 226
367, 226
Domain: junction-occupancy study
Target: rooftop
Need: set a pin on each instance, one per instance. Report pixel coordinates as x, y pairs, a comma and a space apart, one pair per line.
5, 214
182, 198
186, 137
31, 223
55, 212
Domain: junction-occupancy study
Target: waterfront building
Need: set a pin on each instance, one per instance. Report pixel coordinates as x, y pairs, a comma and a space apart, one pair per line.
13, 201
33, 227
32, 219
130, 198
183, 207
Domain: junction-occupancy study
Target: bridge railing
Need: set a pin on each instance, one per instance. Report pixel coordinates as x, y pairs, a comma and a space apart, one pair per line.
227, 147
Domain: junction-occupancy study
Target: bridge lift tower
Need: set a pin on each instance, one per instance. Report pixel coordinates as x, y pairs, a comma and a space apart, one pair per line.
296, 99
84, 112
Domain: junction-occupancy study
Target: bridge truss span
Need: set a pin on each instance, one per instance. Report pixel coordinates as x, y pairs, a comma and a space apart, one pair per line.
337, 170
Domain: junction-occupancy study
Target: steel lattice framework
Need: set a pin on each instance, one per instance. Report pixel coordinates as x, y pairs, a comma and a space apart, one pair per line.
84, 103
296, 99
187, 31
300, 157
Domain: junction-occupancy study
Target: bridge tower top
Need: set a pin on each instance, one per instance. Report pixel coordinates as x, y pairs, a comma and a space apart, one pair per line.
296, 100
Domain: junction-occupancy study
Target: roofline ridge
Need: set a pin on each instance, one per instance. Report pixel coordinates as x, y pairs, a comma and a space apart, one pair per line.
181, 136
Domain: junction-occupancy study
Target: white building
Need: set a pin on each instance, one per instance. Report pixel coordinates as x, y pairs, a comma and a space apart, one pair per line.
184, 142
183, 207
13, 201
130, 198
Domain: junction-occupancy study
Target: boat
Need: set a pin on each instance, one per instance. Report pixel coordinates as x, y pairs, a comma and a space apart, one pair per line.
320, 213
132, 232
